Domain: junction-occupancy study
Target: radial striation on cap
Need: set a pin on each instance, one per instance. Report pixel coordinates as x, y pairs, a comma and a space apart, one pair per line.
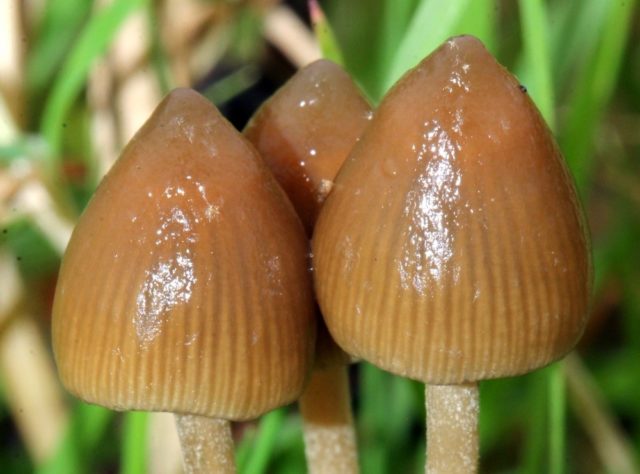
452, 247
185, 286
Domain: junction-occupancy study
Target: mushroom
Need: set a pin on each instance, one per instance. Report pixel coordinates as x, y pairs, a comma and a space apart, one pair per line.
306, 130
304, 133
452, 248
185, 285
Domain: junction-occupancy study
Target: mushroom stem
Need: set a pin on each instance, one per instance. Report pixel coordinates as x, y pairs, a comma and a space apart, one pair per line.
452, 428
329, 437
207, 445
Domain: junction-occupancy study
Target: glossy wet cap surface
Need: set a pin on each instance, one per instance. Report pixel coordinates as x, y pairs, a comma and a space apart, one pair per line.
452, 247
306, 130
185, 285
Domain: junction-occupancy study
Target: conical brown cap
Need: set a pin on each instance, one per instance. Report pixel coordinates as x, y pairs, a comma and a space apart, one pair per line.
185, 284
305, 132
452, 247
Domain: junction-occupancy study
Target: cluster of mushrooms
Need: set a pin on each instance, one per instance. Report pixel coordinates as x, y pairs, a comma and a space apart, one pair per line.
451, 248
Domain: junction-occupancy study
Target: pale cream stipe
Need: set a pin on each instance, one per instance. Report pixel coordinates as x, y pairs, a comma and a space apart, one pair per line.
164, 451
452, 429
207, 445
331, 448
329, 436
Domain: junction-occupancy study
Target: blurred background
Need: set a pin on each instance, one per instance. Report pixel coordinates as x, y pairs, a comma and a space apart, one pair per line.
77, 79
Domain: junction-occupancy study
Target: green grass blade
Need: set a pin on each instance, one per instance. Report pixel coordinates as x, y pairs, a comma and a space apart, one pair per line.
245, 35
37, 256
534, 448
479, 20
93, 40
545, 447
61, 22
352, 35
538, 79
573, 37
243, 449
232, 85
324, 34
432, 23
134, 443
594, 89
372, 418
557, 418
86, 429
395, 19
266, 438
533, 17
288, 451
404, 404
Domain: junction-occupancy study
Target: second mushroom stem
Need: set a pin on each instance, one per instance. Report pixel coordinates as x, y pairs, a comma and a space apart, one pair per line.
452, 428
329, 436
207, 444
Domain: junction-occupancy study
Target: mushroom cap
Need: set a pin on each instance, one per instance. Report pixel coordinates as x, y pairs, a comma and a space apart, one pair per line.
185, 285
453, 248
305, 132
